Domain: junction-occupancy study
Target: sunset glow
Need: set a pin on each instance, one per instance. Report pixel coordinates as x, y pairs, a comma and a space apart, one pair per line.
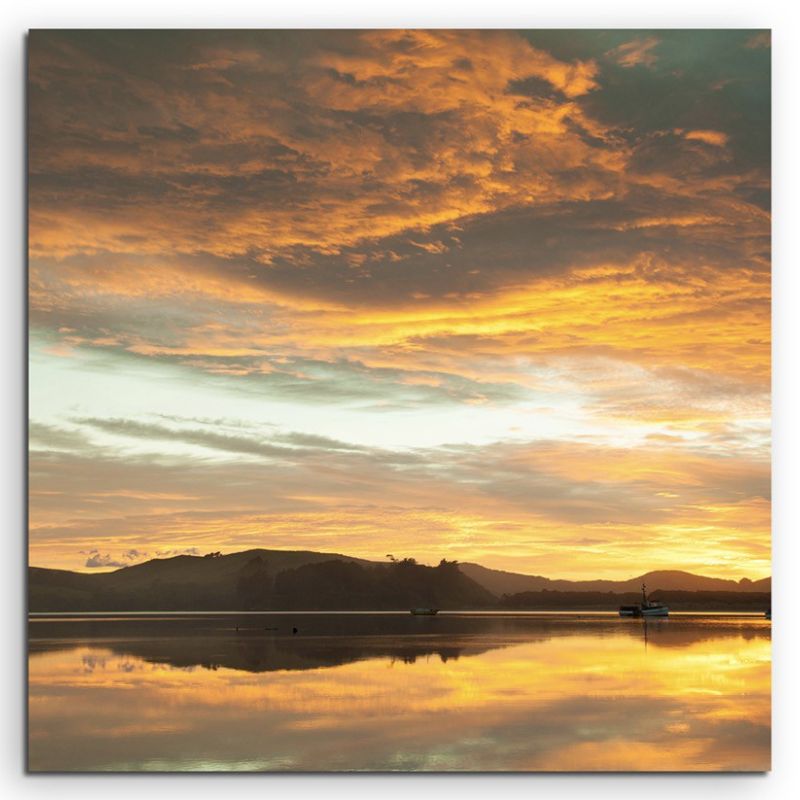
495, 296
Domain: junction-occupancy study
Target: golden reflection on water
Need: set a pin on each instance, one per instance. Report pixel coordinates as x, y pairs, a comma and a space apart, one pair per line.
578, 702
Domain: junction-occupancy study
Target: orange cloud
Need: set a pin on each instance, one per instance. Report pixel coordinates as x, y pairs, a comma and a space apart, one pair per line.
483, 137
716, 138
635, 52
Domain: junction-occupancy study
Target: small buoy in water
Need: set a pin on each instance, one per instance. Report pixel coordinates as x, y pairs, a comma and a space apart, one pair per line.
294, 630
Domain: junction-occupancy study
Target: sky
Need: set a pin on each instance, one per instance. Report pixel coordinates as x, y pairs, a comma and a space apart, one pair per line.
494, 296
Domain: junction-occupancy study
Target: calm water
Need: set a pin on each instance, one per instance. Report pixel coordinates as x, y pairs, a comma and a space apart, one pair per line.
394, 692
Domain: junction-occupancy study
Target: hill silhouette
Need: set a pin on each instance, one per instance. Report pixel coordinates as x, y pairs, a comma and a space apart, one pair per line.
258, 580
277, 580
499, 582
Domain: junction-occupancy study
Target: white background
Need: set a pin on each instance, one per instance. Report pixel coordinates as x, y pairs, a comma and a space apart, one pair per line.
782, 17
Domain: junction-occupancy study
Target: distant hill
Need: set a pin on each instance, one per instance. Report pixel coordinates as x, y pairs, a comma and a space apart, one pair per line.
305, 580
499, 582
257, 580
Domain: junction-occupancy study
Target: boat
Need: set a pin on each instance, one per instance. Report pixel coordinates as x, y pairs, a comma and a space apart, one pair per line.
647, 608
654, 610
424, 612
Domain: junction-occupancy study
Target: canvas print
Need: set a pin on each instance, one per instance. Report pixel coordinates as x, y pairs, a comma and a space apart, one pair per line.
399, 400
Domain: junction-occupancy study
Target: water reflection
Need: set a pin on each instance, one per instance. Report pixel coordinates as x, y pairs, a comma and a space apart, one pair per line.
380, 692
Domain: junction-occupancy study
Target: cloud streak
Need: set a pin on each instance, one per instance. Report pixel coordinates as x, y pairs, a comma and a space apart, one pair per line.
505, 501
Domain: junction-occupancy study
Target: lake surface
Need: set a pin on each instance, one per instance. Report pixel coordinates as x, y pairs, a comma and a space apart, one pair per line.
472, 692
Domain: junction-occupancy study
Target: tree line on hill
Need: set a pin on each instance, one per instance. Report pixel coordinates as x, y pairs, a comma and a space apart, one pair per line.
327, 585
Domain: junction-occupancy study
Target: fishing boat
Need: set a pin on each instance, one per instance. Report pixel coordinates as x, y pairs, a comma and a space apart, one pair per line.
424, 612
647, 608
